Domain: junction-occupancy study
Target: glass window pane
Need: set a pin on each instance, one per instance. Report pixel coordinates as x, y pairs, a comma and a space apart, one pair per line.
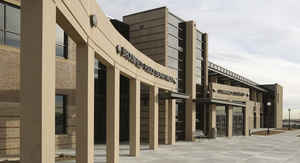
12, 40
12, 19
59, 115
1, 37
1, 17
172, 52
172, 41
59, 35
59, 51
173, 63
172, 30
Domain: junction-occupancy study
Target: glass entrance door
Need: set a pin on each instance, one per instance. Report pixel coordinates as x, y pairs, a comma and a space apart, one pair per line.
238, 121
221, 121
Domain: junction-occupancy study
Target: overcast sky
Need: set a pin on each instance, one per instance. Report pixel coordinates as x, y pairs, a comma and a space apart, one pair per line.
258, 39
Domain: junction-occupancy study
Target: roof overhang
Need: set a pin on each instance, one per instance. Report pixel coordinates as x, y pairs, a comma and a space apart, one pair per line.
173, 95
223, 102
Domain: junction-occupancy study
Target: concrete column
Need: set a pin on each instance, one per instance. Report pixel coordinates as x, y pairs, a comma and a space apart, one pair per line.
212, 119
246, 119
190, 119
172, 122
190, 88
257, 115
134, 118
113, 115
85, 60
37, 93
229, 120
153, 119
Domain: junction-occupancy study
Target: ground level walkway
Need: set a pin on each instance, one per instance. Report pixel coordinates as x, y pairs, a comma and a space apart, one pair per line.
281, 148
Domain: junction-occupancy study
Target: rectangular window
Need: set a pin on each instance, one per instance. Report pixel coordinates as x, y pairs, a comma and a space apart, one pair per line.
13, 19
60, 114
12, 39
61, 42
10, 19
1, 17
172, 63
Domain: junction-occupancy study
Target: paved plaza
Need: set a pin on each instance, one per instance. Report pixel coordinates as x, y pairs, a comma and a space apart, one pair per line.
281, 148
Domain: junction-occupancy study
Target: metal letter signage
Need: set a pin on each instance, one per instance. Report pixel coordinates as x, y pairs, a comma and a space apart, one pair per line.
228, 92
139, 64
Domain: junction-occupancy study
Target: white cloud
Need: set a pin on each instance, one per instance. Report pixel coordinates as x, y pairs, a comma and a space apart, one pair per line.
255, 38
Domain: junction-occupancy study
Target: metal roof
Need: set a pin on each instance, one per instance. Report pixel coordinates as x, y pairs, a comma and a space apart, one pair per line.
232, 75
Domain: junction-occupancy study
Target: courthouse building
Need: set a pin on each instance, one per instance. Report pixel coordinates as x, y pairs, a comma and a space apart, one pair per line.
145, 79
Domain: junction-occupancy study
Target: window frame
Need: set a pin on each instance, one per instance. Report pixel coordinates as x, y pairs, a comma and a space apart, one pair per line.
64, 46
64, 131
4, 30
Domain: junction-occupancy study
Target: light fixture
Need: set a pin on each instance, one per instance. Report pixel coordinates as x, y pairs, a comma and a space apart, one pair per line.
93, 21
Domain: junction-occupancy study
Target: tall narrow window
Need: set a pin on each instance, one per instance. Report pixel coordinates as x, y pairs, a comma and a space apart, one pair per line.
61, 42
1, 24
12, 34
10, 20
60, 114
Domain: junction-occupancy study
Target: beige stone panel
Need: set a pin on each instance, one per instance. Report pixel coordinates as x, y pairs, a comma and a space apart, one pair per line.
247, 116
85, 102
38, 90
229, 120
134, 122
212, 118
148, 31
147, 25
215, 87
147, 38
278, 105
149, 44
172, 122
258, 108
6, 133
112, 114
9, 66
9, 109
153, 119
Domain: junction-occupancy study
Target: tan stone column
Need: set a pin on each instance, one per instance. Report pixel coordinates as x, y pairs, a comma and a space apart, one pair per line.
229, 120
190, 88
246, 118
37, 93
190, 119
163, 120
212, 119
153, 119
172, 122
134, 118
85, 61
113, 115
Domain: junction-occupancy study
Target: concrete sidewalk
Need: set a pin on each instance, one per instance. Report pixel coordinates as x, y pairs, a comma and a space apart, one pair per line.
281, 148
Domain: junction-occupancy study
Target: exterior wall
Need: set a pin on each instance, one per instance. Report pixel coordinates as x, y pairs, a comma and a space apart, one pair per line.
148, 32
278, 106
10, 98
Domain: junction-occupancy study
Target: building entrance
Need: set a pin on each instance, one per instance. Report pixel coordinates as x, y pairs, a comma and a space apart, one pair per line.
238, 121
221, 121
